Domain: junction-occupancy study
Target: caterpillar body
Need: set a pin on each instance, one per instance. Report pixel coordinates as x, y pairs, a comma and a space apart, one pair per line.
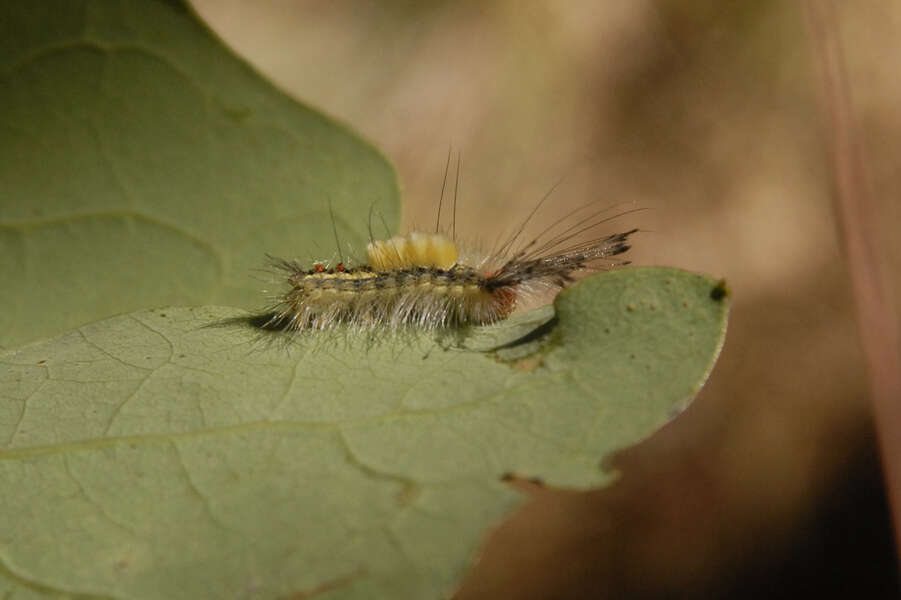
426, 280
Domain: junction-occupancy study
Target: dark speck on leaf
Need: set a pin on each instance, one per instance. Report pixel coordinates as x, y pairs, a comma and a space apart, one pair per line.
238, 113
719, 291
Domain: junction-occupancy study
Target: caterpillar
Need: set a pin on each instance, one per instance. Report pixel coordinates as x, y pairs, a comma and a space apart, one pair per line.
426, 280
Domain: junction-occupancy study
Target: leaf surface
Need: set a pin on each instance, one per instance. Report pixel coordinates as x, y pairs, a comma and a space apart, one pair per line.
142, 164
180, 454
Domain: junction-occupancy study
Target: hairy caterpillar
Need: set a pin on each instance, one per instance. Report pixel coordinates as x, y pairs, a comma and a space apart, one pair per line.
425, 280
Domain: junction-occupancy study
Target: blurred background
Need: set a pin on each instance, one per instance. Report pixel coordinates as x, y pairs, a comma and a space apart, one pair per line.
710, 114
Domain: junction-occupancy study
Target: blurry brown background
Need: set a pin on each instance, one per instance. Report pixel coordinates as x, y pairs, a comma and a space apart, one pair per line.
709, 113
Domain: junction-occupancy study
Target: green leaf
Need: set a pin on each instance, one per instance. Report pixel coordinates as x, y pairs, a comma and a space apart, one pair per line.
182, 454
142, 164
